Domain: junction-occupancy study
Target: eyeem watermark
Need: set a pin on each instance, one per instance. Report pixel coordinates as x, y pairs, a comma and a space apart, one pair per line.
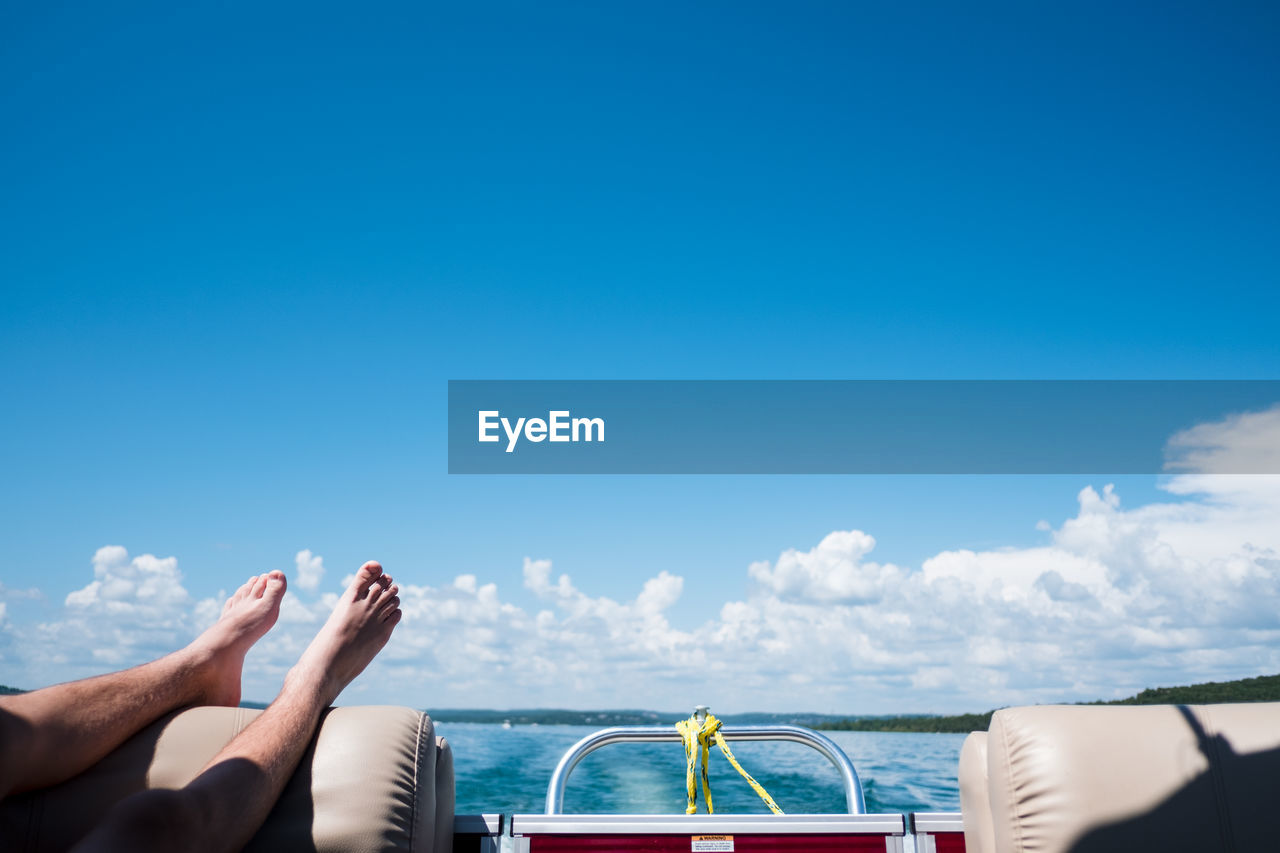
864, 427
558, 426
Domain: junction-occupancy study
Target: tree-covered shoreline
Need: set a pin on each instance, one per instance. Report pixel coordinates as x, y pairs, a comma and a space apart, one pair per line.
1265, 688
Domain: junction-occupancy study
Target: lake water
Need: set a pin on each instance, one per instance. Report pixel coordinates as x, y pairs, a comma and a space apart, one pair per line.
507, 770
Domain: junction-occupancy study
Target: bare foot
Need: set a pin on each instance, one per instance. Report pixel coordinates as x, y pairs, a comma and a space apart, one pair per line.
248, 614
358, 628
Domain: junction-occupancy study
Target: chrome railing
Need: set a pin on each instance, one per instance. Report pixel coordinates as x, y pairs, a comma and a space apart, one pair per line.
646, 734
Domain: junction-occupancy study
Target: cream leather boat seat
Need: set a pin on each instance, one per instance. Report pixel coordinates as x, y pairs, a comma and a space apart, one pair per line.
376, 778
1052, 779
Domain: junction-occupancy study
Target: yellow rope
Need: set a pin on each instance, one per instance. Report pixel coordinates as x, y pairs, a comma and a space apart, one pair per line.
703, 733
689, 733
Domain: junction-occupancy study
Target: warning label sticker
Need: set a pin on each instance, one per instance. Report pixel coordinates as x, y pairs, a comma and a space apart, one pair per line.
712, 844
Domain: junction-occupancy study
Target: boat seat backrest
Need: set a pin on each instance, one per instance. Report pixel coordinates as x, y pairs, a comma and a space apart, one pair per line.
376, 778
1084, 779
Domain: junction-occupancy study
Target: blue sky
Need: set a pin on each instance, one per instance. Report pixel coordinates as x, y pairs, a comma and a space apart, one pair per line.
244, 248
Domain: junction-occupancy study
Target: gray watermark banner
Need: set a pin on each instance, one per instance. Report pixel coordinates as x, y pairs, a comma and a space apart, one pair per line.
864, 427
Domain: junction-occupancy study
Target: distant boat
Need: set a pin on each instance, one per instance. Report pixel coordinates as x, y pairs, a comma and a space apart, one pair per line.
506, 724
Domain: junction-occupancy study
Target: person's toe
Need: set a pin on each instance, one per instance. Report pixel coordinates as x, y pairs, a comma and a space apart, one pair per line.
275, 587
365, 576
259, 586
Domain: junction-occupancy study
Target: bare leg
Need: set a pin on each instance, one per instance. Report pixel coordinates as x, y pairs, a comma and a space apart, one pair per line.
226, 804
50, 735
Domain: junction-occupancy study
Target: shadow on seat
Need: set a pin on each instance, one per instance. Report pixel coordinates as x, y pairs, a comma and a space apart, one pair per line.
1086, 779
1245, 788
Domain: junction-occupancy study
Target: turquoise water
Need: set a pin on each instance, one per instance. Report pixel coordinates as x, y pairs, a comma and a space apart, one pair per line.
507, 770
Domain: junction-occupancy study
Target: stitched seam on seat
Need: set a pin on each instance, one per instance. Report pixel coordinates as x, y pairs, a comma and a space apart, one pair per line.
1215, 778
1008, 767
417, 780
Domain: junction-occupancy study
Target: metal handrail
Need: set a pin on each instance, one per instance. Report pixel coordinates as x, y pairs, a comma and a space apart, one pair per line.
644, 734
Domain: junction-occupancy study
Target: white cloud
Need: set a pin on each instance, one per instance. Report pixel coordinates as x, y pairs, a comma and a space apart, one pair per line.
1243, 443
310, 570
132, 610
832, 571
8, 592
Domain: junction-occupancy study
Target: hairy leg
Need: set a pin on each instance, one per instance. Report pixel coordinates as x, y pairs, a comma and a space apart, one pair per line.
226, 804
50, 735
